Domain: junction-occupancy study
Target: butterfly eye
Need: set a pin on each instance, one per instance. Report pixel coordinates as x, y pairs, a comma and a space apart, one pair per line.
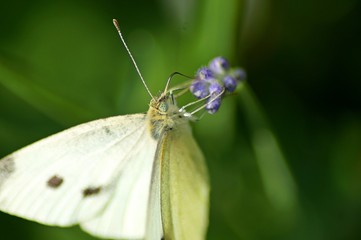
163, 107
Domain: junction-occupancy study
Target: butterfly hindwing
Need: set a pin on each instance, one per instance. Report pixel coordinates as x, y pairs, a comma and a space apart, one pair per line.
185, 186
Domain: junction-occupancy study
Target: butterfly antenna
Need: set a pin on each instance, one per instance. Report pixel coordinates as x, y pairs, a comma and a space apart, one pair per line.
116, 24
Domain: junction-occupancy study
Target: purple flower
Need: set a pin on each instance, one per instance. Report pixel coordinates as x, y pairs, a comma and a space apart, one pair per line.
230, 83
239, 74
212, 83
219, 65
204, 73
199, 88
213, 103
215, 87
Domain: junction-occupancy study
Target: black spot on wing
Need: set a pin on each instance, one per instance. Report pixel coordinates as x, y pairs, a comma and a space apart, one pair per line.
7, 167
107, 130
91, 191
55, 181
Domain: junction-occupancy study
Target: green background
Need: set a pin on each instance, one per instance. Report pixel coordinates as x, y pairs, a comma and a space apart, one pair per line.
284, 153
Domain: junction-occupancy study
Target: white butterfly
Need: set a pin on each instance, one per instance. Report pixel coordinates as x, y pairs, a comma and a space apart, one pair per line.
138, 176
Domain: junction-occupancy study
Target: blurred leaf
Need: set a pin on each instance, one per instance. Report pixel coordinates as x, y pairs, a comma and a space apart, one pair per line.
277, 178
50, 104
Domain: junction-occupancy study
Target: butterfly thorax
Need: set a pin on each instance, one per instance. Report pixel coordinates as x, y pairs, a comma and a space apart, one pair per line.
164, 115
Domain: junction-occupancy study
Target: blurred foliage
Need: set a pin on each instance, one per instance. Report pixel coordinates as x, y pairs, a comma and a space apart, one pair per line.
288, 165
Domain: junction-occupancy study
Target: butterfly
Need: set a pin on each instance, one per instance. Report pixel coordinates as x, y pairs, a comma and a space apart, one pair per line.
138, 176
118, 177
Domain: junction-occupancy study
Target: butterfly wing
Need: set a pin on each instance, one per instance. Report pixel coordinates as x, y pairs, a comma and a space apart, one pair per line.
154, 230
184, 185
97, 174
126, 215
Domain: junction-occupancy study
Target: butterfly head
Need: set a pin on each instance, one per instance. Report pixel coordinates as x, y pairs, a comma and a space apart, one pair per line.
164, 104
164, 115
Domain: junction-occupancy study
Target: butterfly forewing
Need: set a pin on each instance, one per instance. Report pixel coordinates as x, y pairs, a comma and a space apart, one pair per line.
78, 175
154, 219
126, 213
